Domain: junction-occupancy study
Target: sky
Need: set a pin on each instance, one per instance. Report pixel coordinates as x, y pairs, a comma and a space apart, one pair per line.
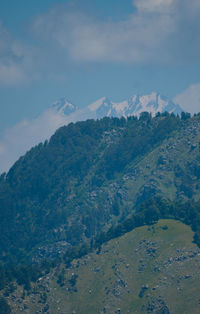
87, 49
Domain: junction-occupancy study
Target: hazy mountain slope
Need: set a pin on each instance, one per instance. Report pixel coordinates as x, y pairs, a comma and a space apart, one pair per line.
149, 270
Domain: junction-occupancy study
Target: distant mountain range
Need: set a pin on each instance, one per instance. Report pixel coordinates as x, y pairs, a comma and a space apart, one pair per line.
104, 107
17, 140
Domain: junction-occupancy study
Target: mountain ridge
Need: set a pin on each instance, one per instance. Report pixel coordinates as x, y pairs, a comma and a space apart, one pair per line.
17, 140
104, 107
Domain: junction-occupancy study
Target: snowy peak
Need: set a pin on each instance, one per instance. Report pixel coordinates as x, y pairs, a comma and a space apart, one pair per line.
152, 103
98, 103
135, 105
64, 107
104, 107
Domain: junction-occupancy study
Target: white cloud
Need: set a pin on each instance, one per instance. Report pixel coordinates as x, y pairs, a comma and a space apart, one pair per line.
16, 60
189, 99
86, 39
153, 5
20, 138
158, 31
11, 73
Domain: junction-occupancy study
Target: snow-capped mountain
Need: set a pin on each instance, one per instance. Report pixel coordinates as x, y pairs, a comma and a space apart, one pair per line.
64, 107
27, 133
104, 107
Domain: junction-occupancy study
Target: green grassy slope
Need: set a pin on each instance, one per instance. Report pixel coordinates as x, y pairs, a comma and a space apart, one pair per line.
148, 270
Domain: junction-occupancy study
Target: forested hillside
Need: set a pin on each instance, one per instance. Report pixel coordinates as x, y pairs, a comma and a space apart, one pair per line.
95, 180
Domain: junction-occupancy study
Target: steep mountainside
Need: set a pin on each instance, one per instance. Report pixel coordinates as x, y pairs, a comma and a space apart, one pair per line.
91, 176
148, 270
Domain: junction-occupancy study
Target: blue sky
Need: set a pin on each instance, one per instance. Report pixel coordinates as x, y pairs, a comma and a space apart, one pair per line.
86, 49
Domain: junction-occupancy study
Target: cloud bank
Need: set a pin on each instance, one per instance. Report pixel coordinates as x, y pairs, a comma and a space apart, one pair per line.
20, 138
160, 32
157, 31
16, 60
189, 99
